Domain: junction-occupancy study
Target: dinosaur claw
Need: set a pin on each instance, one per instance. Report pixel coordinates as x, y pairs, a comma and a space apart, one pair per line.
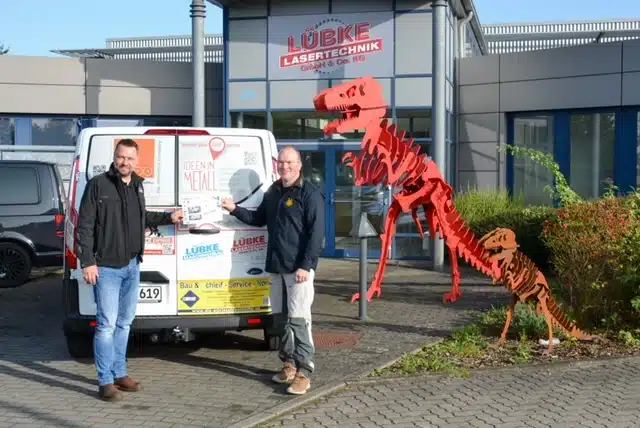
355, 297
452, 296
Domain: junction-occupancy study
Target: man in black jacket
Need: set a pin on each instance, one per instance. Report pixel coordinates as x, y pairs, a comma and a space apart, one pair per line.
293, 211
111, 225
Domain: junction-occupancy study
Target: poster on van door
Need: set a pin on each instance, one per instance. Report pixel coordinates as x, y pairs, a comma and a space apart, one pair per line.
224, 274
160, 240
216, 167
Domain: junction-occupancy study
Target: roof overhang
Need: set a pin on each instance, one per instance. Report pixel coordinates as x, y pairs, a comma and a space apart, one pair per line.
462, 8
111, 52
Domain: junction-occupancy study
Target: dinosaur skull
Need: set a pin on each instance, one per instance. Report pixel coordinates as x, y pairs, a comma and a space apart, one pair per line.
359, 102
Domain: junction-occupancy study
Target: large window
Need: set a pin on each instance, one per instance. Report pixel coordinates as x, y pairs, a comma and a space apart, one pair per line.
593, 138
19, 186
254, 120
300, 125
54, 131
529, 177
7, 131
416, 123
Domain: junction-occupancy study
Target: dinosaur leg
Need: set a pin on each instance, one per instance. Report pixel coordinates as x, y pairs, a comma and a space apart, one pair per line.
507, 324
387, 236
542, 302
455, 293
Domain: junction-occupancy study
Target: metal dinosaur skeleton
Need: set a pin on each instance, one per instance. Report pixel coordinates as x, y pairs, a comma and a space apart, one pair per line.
388, 159
522, 278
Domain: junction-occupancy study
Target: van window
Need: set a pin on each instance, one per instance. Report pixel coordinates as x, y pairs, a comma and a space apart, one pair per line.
240, 166
156, 164
19, 186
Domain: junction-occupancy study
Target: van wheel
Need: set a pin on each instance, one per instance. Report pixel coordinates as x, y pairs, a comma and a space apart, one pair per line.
15, 265
80, 345
272, 342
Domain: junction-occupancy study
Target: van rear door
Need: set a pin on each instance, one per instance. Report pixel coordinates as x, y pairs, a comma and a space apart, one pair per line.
157, 165
223, 273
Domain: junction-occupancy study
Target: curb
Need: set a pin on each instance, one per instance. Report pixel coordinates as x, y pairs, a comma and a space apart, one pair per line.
288, 406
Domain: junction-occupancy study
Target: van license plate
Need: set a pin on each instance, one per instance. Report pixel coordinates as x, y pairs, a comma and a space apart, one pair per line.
150, 294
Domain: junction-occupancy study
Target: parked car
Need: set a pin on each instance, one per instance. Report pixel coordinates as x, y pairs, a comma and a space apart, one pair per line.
32, 210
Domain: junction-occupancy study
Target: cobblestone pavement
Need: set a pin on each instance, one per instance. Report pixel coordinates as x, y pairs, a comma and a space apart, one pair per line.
214, 384
586, 394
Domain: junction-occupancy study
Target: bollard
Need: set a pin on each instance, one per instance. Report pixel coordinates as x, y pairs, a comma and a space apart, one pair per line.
365, 231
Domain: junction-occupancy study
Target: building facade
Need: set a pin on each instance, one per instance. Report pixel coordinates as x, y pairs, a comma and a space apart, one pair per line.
575, 102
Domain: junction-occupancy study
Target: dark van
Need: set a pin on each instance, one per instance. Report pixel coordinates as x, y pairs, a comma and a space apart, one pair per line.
32, 210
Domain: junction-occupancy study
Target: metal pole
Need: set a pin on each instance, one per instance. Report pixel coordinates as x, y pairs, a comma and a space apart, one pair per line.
198, 13
439, 106
363, 278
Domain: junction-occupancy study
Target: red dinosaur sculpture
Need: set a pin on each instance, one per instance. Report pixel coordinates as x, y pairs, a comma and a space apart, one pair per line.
386, 159
523, 279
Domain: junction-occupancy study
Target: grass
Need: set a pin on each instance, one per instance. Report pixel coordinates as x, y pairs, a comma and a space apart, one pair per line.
469, 347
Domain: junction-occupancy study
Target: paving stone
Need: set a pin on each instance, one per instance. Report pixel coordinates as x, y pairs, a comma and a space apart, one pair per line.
218, 384
592, 404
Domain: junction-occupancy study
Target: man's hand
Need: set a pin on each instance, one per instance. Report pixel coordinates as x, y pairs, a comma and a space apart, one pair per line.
90, 274
302, 275
177, 216
227, 204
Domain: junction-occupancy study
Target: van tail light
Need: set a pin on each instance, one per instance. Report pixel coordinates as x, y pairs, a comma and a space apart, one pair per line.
254, 321
59, 220
71, 248
169, 131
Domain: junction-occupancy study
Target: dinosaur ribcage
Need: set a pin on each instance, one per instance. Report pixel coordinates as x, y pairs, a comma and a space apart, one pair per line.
521, 275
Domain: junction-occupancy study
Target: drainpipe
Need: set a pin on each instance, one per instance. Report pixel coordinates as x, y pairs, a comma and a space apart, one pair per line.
462, 33
198, 13
439, 107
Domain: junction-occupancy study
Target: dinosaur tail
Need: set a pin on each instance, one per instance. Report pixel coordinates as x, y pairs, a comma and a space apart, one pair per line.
468, 246
560, 320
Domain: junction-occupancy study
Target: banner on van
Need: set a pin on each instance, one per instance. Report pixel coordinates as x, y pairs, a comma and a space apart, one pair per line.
161, 240
224, 296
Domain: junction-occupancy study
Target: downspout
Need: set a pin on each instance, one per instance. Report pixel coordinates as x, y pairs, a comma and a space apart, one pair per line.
198, 14
462, 33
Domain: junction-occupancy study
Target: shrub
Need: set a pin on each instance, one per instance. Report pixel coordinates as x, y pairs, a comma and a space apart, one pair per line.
485, 210
476, 205
584, 241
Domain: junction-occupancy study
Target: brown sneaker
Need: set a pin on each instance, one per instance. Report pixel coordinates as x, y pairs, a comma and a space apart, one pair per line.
127, 384
285, 375
300, 385
109, 393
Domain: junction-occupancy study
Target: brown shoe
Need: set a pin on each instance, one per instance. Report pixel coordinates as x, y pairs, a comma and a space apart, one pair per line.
300, 385
127, 384
109, 393
285, 375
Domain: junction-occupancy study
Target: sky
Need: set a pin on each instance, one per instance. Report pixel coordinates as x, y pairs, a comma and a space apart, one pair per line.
35, 27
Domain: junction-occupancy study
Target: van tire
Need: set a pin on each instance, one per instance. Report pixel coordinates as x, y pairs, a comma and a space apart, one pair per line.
272, 342
20, 269
80, 345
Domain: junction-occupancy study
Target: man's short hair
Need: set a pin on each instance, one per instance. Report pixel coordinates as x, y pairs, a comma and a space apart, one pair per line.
127, 142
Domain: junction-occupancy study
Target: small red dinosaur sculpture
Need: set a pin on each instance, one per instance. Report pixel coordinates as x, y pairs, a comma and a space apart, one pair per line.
521, 277
388, 159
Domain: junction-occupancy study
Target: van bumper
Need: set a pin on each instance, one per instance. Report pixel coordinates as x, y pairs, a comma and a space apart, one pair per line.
76, 324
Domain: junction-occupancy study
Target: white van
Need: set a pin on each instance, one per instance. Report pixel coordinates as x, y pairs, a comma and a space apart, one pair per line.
205, 279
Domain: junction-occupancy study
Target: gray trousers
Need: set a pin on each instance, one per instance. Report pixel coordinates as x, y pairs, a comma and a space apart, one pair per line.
297, 341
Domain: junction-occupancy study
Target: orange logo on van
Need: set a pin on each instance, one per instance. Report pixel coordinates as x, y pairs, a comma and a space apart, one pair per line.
146, 157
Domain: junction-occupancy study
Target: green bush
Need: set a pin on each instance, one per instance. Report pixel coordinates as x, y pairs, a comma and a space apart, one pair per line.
584, 241
485, 210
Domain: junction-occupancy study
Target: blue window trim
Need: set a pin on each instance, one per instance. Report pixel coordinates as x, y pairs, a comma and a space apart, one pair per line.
626, 144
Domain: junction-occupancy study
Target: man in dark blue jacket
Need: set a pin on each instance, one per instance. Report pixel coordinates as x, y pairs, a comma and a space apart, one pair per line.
293, 211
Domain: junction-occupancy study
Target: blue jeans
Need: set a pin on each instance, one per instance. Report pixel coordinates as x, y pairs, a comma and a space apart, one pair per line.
116, 294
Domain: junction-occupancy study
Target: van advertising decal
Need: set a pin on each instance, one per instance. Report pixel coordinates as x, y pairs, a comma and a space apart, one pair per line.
161, 240
233, 282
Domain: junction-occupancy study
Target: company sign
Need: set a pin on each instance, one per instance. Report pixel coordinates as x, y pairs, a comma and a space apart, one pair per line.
331, 46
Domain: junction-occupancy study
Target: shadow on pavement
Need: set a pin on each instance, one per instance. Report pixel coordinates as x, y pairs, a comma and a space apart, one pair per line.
34, 414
